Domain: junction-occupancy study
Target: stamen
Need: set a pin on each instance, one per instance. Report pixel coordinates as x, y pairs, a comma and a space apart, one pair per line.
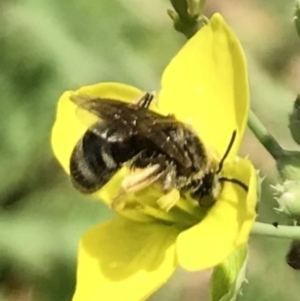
187, 207
158, 214
168, 200
173, 217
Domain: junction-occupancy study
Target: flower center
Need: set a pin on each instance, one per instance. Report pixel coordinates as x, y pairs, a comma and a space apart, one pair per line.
151, 205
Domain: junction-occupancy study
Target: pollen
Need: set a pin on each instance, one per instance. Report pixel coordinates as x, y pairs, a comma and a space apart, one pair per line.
168, 200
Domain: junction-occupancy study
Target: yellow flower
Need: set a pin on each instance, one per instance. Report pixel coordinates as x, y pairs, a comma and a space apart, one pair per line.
133, 254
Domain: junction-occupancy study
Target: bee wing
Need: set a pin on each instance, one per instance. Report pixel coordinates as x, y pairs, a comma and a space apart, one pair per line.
93, 111
126, 120
120, 119
157, 129
84, 111
171, 148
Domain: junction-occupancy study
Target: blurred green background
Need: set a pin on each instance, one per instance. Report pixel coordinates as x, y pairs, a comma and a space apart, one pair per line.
47, 47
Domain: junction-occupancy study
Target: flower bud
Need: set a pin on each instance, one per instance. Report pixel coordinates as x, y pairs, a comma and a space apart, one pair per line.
187, 17
294, 118
288, 164
288, 198
181, 7
293, 255
297, 17
228, 277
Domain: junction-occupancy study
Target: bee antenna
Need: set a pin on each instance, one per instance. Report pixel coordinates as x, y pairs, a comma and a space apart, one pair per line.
227, 151
235, 181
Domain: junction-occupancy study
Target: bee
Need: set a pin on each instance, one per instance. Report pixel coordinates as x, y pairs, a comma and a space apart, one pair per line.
155, 147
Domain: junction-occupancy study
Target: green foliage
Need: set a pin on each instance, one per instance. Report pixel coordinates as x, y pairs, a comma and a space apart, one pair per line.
47, 47
228, 277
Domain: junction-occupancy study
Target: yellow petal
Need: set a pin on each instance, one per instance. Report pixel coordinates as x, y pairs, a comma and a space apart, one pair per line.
124, 260
226, 226
206, 85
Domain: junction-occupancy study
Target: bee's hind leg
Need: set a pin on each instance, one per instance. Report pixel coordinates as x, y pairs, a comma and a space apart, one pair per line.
145, 100
136, 181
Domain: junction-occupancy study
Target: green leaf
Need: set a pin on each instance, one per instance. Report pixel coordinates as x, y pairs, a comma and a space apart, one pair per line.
228, 277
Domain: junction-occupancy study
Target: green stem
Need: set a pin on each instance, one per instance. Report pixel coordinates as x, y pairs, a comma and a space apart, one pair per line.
188, 18
266, 139
289, 232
